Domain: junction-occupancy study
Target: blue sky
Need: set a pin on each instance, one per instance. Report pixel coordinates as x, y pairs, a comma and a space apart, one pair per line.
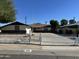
41, 11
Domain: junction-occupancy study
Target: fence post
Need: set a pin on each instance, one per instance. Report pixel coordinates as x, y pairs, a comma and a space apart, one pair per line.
40, 39
29, 38
76, 41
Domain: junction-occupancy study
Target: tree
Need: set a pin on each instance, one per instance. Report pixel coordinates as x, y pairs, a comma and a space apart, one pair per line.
64, 22
72, 21
7, 11
54, 25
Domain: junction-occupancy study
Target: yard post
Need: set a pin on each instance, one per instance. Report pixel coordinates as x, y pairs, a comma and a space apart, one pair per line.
29, 38
28, 32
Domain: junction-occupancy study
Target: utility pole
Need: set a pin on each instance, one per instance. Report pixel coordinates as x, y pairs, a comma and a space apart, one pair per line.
45, 22
74, 18
25, 19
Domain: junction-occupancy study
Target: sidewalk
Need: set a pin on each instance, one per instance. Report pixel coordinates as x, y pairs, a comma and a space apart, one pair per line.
56, 50
19, 47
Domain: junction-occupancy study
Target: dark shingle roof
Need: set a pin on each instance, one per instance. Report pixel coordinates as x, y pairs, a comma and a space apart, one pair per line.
14, 23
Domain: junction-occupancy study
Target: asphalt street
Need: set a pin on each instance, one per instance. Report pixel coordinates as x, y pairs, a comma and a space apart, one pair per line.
33, 55
36, 57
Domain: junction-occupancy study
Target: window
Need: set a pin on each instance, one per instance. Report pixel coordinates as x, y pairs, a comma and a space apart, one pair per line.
16, 27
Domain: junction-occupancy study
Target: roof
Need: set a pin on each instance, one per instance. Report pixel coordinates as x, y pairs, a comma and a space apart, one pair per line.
14, 23
37, 25
70, 24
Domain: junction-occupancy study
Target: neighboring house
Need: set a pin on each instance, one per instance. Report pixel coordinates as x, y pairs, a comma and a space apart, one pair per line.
14, 27
41, 27
70, 28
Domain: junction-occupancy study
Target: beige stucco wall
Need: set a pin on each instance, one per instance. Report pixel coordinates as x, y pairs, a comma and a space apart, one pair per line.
22, 27
12, 27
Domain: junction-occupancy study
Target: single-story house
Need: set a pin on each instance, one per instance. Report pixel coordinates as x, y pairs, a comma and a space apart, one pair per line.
14, 27
41, 27
70, 28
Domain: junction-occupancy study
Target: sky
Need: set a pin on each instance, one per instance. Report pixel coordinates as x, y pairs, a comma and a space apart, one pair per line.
42, 11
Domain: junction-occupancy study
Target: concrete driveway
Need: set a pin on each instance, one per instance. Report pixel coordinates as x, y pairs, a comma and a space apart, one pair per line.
53, 39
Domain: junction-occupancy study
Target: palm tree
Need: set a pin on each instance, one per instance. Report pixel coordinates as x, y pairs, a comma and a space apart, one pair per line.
7, 11
54, 25
72, 21
64, 22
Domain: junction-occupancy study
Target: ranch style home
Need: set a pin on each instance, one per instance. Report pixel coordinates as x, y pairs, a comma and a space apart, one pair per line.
37, 27
70, 29
14, 27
